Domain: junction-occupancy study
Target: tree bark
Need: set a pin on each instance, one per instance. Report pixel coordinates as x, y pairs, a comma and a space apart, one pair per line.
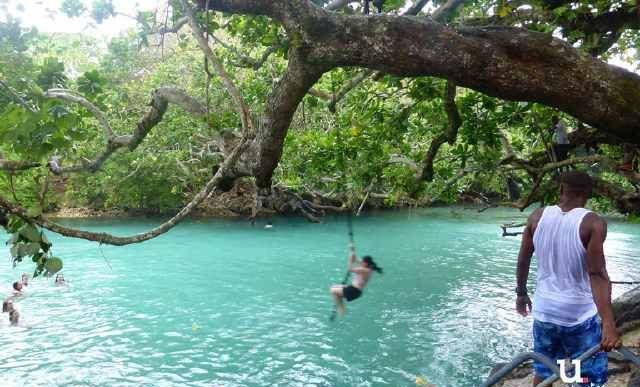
448, 135
281, 106
505, 62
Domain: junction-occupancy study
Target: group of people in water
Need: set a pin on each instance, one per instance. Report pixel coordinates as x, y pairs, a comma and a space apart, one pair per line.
18, 291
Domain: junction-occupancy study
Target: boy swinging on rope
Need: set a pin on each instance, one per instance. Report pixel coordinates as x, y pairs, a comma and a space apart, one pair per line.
362, 271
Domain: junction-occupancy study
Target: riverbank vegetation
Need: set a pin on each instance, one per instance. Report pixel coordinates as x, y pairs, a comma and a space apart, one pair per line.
305, 107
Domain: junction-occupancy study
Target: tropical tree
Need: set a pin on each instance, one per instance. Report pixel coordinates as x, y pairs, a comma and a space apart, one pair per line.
479, 78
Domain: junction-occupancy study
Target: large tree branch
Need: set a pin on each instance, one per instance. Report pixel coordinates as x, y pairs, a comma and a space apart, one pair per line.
159, 103
281, 105
120, 240
448, 135
505, 62
71, 96
538, 169
625, 202
509, 63
440, 14
14, 165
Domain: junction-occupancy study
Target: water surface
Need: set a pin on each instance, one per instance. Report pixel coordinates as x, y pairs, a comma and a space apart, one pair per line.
219, 303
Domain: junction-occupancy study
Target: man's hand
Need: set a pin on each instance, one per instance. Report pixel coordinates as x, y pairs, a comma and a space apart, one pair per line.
610, 338
522, 302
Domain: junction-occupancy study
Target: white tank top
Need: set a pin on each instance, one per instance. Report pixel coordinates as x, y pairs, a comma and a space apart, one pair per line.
563, 293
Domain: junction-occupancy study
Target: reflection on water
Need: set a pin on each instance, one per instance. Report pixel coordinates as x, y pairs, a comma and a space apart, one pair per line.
221, 303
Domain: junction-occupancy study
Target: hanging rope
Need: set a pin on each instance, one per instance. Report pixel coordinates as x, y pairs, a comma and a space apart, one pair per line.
206, 68
343, 164
343, 167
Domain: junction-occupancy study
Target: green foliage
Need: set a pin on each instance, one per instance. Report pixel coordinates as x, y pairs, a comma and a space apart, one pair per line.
72, 8
28, 241
102, 9
91, 83
51, 74
377, 140
633, 219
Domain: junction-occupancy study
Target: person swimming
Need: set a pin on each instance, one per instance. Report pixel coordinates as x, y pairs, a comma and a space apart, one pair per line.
269, 225
17, 288
25, 279
14, 317
7, 306
362, 271
60, 280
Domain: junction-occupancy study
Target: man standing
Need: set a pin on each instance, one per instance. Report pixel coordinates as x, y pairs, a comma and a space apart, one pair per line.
572, 304
560, 139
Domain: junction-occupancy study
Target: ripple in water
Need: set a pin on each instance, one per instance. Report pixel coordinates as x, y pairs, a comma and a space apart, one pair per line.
220, 303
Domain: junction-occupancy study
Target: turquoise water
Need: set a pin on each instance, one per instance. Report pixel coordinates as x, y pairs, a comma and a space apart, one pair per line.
219, 303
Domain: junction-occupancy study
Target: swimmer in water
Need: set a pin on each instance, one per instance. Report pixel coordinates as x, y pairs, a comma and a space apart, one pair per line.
362, 271
60, 280
7, 306
14, 317
17, 288
25, 279
269, 225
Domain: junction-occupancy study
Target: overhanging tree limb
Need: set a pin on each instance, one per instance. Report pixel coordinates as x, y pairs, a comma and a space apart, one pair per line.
159, 103
16, 165
626, 202
120, 240
505, 62
448, 135
71, 96
440, 14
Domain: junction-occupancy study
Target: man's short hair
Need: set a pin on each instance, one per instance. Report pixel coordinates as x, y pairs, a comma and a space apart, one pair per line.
577, 183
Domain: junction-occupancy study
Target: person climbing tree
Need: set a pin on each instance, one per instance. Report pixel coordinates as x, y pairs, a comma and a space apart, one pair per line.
362, 271
572, 307
630, 153
560, 139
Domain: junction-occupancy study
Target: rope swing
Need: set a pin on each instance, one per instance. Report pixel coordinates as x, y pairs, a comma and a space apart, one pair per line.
340, 142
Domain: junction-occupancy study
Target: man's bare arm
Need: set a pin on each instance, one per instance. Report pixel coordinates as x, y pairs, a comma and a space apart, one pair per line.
524, 263
352, 256
600, 283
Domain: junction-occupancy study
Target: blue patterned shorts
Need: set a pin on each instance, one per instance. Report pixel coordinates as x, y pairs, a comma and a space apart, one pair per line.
559, 342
